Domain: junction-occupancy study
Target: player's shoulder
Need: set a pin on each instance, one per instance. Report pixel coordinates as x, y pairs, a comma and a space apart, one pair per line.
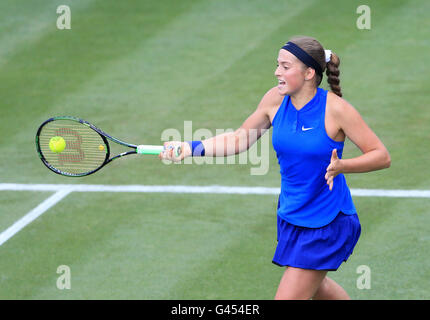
338, 106
271, 99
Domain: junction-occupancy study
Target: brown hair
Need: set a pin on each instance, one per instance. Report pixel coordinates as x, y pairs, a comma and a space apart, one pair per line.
316, 51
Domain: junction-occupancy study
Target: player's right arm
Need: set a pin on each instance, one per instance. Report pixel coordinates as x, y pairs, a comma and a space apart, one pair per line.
231, 143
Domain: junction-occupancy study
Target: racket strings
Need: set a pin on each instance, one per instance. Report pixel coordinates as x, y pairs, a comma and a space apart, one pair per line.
85, 150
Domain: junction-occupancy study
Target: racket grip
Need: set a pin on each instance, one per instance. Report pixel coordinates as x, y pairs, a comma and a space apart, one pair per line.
148, 149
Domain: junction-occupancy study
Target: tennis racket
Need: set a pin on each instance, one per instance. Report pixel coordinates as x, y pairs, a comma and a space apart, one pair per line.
83, 148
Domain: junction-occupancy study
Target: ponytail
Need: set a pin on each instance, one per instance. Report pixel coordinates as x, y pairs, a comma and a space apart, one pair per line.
332, 73
312, 47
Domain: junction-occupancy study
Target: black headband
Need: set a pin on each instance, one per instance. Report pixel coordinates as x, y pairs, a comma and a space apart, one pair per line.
303, 56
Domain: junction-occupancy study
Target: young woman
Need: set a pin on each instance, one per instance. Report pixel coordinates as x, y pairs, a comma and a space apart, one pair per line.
318, 226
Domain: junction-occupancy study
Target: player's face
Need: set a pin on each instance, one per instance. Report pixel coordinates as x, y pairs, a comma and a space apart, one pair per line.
290, 73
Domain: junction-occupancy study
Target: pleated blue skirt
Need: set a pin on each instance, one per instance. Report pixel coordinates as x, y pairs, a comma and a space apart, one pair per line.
322, 248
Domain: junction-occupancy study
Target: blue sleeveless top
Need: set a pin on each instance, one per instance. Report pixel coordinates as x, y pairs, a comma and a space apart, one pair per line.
304, 151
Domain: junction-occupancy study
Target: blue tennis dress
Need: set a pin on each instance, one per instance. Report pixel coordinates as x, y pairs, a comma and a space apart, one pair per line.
317, 228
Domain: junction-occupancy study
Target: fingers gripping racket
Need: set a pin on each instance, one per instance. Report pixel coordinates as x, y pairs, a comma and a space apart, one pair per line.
74, 147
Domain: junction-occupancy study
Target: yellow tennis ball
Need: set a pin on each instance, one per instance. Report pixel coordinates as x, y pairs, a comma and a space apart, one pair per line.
57, 144
101, 147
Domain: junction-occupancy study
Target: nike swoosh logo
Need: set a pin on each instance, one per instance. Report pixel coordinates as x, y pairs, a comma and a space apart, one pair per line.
305, 129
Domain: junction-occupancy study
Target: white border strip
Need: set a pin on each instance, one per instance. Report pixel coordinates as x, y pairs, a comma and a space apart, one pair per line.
32, 215
197, 189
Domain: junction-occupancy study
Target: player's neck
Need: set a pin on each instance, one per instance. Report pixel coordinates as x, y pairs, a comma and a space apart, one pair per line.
301, 98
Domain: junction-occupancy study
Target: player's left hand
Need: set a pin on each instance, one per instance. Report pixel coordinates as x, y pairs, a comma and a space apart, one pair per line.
335, 167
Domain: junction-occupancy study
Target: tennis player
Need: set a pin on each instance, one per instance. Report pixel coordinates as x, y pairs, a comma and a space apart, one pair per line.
317, 223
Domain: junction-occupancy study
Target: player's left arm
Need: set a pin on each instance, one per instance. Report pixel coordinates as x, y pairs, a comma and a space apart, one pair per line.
375, 155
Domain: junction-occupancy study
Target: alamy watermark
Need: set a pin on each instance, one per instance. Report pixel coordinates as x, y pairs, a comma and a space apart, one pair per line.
64, 21
364, 280
363, 21
64, 281
234, 143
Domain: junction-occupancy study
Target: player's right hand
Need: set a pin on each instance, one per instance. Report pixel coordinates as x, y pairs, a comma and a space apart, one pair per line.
169, 151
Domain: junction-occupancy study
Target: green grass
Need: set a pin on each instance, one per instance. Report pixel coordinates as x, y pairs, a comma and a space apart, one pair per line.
14, 205
136, 68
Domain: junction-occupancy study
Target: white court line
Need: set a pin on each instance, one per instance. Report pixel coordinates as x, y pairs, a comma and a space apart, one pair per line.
138, 188
198, 189
62, 190
32, 215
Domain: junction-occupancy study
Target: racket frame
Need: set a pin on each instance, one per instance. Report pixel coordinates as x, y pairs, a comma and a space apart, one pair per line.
103, 135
